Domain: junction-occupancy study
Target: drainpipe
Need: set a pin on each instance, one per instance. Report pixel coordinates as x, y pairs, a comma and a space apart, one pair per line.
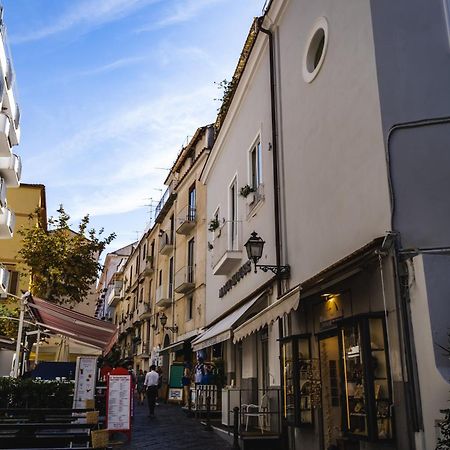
411, 387
276, 201
276, 185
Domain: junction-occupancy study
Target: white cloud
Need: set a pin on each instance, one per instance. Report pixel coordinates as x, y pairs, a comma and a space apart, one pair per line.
118, 64
87, 14
182, 11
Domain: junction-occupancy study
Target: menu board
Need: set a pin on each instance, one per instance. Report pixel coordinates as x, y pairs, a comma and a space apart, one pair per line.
84, 381
119, 402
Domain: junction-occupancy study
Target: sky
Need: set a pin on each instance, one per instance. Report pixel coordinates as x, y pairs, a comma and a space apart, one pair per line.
110, 91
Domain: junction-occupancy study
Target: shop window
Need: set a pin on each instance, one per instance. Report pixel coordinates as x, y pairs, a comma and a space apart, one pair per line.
366, 380
301, 381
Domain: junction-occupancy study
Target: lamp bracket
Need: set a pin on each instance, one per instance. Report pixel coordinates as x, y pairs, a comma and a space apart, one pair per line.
172, 329
282, 272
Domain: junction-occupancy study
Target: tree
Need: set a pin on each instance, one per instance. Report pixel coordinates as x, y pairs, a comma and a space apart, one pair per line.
8, 327
63, 264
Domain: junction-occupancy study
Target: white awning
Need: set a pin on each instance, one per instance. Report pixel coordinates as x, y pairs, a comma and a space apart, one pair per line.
284, 305
221, 331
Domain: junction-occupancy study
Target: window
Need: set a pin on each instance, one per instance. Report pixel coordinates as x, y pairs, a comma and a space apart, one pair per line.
315, 50
192, 203
233, 213
13, 282
189, 308
144, 252
301, 381
160, 278
152, 253
172, 229
169, 292
367, 386
255, 166
191, 261
141, 298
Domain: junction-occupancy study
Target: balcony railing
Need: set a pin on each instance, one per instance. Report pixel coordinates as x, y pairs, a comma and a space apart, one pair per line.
5, 125
114, 295
164, 295
10, 75
227, 247
149, 266
4, 280
2, 193
145, 311
186, 220
165, 243
7, 223
11, 170
184, 279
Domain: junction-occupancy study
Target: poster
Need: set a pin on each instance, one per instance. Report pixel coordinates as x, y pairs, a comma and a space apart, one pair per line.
85, 377
119, 402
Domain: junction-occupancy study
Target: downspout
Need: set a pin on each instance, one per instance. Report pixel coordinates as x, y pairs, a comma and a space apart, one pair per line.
276, 205
411, 386
276, 185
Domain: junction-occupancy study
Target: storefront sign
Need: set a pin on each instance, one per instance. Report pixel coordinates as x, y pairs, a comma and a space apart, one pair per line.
243, 270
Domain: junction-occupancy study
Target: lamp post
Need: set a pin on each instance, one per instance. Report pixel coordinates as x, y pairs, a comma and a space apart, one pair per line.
163, 320
23, 303
255, 247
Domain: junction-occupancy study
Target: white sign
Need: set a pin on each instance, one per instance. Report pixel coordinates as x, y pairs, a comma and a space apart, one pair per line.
84, 381
119, 402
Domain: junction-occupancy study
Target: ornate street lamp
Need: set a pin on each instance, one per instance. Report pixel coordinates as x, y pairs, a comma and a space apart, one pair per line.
255, 247
163, 320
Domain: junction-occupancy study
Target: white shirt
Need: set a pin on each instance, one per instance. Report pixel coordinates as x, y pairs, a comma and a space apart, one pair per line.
151, 379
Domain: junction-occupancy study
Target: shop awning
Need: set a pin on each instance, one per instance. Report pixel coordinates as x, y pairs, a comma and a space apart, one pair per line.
284, 305
221, 331
172, 347
73, 324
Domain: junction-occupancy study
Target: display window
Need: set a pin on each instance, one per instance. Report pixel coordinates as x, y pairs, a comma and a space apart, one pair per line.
301, 381
367, 408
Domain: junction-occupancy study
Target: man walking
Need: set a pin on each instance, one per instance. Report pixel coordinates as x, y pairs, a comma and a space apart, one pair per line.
151, 384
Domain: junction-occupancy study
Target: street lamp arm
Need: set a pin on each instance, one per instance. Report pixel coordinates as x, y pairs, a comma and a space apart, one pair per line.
282, 272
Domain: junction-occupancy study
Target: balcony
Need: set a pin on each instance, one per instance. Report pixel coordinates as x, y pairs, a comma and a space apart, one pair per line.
254, 198
186, 220
148, 269
114, 295
184, 280
164, 295
5, 147
11, 170
227, 248
165, 244
2, 193
7, 222
136, 317
146, 311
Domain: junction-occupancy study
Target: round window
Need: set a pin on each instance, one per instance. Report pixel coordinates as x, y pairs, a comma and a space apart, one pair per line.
315, 50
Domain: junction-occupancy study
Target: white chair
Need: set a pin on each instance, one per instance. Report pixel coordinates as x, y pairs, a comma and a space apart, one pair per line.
261, 412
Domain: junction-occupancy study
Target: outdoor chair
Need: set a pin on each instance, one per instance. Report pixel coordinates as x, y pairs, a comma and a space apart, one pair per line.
260, 411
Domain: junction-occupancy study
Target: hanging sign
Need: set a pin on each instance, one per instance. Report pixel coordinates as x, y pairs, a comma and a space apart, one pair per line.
118, 403
85, 376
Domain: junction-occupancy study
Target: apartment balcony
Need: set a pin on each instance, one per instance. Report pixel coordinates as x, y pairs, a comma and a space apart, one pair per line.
227, 248
165, 244
7, 95
186, 220
7, 222
184, 280
143, 350
11, 170
149, 267
5, 125
2, 193
114, 296
129, 322
164, 295
146, 311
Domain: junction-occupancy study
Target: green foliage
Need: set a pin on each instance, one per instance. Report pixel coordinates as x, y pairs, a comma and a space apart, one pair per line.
63, 264
28, 393
9, 327
226, 88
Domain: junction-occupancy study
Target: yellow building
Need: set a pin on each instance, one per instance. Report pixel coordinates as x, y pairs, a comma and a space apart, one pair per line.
29, 204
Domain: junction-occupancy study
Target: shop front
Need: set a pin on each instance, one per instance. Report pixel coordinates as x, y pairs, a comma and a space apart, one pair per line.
338, 389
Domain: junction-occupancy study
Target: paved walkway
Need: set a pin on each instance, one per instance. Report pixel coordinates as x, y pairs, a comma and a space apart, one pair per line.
170, 429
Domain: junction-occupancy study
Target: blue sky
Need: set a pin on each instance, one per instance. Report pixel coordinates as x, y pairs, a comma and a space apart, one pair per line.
109, 91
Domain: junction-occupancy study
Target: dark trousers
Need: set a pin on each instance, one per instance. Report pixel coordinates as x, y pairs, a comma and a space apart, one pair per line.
152, 392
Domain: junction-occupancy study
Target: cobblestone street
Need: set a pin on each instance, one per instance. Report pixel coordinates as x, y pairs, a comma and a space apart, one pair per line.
170, 429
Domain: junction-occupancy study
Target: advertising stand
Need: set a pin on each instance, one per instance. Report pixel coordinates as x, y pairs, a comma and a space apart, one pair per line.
118, 404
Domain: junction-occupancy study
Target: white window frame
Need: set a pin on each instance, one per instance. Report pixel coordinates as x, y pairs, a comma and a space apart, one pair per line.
259, 168
233, 238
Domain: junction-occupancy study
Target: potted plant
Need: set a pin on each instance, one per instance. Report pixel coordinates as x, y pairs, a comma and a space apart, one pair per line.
246, 190
214, 224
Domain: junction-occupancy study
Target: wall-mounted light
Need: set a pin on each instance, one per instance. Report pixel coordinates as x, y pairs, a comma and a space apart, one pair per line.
163, 320
331, 299
255, 247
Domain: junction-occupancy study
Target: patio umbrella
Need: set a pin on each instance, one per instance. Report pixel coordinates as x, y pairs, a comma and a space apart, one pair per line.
62, 353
